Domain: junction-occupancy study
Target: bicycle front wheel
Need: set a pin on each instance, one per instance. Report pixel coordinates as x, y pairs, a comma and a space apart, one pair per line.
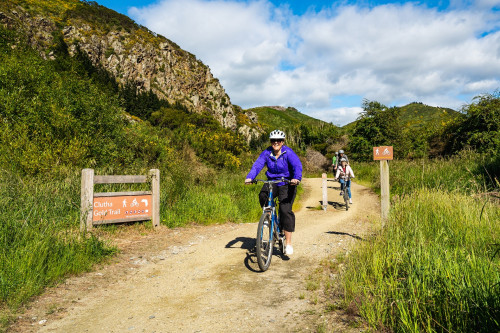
346, 198
265, 242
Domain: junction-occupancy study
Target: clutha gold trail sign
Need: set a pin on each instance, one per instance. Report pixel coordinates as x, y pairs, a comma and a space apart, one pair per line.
117, 207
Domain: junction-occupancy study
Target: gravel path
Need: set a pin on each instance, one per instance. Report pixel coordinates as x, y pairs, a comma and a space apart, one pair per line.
206, 279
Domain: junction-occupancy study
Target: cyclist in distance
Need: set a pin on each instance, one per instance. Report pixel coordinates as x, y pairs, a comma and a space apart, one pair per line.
345, 172
281, 161
340, 157
334, 162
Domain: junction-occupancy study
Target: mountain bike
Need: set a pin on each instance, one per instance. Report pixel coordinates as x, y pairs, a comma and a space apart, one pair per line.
346, 194
268, 230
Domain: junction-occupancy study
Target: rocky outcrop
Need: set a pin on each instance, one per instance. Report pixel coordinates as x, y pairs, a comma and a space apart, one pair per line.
138, 55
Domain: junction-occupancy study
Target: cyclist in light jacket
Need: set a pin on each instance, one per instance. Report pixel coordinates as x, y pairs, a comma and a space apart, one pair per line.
344, 172
281, 161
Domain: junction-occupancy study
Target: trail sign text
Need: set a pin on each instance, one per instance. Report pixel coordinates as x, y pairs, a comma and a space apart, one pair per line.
122, 207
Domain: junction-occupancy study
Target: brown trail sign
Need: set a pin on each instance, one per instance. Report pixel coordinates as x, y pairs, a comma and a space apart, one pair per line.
116, 207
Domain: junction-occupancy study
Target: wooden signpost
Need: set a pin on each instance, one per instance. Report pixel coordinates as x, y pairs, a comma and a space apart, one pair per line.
324, 186
116, 207
384, 154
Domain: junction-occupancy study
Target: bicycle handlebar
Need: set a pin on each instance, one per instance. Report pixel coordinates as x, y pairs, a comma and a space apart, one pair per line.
282, 180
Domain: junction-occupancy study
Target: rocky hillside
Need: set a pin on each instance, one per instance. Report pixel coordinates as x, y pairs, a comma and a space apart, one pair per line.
131, 53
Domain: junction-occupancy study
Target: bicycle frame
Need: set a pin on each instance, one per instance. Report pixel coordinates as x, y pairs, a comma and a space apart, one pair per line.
271, 205
268, 230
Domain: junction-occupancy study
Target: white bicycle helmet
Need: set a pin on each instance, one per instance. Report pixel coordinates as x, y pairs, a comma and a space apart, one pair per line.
277, 134
341, 151
343, 160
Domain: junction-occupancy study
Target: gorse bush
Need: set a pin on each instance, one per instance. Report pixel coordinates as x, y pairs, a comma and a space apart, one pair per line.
50, 120
478, 128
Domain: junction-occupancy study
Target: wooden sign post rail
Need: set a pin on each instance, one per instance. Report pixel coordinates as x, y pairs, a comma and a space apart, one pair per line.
116, 207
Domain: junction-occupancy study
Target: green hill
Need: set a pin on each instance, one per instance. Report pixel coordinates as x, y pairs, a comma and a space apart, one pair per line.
416, 115
279, 117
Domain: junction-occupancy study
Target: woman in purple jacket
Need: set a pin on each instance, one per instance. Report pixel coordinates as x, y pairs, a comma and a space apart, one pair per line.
281, 161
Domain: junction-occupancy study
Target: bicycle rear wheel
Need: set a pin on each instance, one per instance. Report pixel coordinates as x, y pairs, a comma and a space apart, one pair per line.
265, 242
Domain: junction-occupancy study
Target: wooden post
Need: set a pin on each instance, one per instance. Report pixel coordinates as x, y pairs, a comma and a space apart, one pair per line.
87, 199
384, 190
325, 198
155, 189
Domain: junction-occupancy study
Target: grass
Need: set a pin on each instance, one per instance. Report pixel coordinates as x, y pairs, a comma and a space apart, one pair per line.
435, 267
39, 238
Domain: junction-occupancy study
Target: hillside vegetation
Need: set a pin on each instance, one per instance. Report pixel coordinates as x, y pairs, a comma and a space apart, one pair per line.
57, 117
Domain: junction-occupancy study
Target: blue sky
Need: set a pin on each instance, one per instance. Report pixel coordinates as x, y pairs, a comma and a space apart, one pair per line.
325, 57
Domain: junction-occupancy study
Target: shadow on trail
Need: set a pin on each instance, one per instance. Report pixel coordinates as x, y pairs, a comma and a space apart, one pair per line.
345, 234
337, 205
250, 260
334, 204
247, 243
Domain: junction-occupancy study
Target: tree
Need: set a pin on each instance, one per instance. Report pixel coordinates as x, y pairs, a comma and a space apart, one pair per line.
478, 128
377, 126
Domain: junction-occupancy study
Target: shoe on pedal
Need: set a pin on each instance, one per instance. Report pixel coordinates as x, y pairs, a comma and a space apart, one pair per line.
350, 201
289, 250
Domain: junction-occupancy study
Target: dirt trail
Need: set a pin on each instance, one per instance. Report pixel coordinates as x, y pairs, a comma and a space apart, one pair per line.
206, 279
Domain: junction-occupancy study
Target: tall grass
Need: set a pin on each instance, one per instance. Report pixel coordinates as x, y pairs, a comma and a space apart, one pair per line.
39, 242
223, 199
435, 267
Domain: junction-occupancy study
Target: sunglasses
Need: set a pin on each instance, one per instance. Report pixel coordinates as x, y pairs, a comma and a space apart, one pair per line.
276, 140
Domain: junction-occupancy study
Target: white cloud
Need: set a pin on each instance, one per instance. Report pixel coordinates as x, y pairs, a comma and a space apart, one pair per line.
390, 53
338, 116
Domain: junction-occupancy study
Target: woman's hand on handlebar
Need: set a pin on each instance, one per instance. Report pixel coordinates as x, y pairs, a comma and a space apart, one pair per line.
248, 181
294, 182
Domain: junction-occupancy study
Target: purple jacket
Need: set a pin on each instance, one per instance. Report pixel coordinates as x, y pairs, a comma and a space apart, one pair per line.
287, 165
